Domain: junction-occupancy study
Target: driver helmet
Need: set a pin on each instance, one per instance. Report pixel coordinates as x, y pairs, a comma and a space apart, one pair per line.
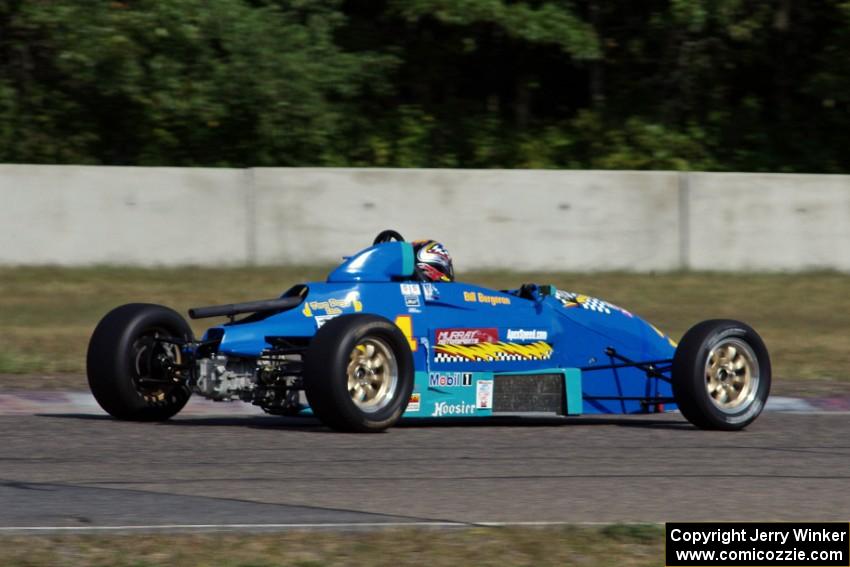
433, 262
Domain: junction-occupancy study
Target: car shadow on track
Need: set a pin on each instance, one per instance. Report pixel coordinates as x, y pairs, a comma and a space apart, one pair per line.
521, 421
259, 422
312, 425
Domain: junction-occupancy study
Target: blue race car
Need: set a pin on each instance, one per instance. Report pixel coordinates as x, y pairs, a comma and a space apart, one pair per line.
390, 334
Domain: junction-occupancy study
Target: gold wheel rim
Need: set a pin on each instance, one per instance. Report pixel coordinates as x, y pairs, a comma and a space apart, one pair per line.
372, 375
731, 375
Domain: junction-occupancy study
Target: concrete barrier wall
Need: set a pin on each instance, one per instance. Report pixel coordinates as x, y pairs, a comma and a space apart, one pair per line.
529, 220
758, 222
132, 216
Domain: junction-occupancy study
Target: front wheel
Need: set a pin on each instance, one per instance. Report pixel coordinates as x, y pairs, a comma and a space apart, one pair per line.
134, 371
721, 375
358, 373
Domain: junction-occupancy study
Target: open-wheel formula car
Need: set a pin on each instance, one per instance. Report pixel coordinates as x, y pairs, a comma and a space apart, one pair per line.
389, 334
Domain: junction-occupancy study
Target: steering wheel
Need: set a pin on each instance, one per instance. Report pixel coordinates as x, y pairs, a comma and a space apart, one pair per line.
388, 236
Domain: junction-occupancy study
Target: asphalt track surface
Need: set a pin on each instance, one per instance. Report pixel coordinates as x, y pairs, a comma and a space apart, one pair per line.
83, 470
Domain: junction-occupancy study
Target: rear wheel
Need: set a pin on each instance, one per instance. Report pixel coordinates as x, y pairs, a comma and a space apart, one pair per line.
721, 375
133, 373
358, 373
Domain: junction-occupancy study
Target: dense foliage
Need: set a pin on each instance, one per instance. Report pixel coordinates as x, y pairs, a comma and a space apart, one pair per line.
662, 84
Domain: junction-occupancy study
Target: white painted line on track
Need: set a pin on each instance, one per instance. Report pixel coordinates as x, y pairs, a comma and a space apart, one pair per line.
782, 403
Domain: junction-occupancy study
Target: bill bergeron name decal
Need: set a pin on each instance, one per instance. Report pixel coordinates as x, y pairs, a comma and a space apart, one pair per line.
757, 534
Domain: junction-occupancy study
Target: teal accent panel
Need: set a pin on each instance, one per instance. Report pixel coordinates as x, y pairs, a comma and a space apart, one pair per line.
572, 379
420, 379
417, 406
407, 259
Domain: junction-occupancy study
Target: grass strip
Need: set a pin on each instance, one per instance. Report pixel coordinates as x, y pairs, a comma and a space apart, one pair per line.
615, 545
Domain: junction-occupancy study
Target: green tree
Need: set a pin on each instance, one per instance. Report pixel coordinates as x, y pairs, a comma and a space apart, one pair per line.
675, 84
178, 82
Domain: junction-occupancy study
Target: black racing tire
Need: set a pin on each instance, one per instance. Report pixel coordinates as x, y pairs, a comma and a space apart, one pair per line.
123, 359
331, 357
721, 375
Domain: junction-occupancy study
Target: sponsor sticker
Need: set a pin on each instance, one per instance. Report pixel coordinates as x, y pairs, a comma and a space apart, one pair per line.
323, 311
411, 293
410, 289
443, 409
449, 379
484, 394
527, 335
415, 401
430, 291
466, 336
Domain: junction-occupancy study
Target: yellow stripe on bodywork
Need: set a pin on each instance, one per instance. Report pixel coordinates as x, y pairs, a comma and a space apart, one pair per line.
489, 351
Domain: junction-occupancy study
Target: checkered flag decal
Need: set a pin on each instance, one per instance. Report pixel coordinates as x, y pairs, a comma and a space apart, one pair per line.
597, 305
570, 299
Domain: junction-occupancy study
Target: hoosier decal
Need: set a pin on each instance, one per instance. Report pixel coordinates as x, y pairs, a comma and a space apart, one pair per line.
492, 352
443, 408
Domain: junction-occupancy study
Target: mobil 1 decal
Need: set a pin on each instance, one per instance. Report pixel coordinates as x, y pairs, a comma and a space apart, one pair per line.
449, 379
